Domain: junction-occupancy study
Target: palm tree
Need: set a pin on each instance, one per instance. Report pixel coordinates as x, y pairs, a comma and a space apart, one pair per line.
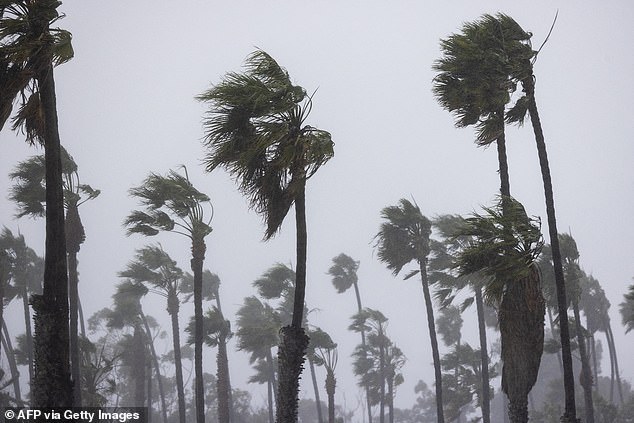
329, 357
256, 129
506, 243
403, 238
29, 49
28, 193
154, 269
173, 204
26, 271
320, 342
344, 275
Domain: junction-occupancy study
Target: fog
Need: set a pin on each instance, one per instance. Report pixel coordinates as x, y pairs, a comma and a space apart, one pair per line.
126, 108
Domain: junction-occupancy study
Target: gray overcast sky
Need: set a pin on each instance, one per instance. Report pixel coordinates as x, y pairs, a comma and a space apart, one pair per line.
126, 107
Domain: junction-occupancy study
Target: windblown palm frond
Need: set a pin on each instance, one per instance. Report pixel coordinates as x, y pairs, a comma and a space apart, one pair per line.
215, 328
256, 130
343, 272
155, 267
403, 236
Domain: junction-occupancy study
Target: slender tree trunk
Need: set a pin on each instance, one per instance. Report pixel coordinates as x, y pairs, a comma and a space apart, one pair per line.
434, 340
15, 374
390, 398
586, 375
313, 376
616, 363
595, 365
198, 258
172, 308
484, 357
269, 392
570, 413
82, 321
367, 389
29, 334
331, 384
505, 180
293, 338
52, 386
148, 379
382, 373
157, 368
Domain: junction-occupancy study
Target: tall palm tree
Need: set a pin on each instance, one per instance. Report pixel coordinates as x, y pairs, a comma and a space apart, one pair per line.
402, 238
154, 268
506, 243
28, 193
256, 129
344, 275
173, 204
29, 49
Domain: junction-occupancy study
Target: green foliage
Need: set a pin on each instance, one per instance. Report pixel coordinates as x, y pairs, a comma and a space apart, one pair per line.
626, 309
28, 45
255, 129
154, 267
215, 328
506, 242
403, 236
171, 203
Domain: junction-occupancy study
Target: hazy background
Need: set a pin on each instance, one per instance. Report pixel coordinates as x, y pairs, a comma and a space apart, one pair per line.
126, 107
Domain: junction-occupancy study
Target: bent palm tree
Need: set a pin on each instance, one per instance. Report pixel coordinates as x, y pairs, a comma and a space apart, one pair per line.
256, 130
29, 193
29, 49
403, 238
173, 204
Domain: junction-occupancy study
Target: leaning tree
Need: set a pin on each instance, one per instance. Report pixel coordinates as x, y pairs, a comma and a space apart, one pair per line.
256, 129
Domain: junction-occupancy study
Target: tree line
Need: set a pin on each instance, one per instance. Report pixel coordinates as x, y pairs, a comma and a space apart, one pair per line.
256, 129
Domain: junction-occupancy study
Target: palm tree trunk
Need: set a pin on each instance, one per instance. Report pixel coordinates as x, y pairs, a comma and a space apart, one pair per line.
484, 357
382, 373
331, 384
157, 368
29, 334
552, 331
198, 258
138, 369
570, 413
434, 340
293, 338
313, 376
595, 365
148, 381
521, 319
586, 375
505, 180
172, 301
15, 374
367, 389
52, 386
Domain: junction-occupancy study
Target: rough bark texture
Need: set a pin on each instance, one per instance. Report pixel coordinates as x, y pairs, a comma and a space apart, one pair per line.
52, 385
198, 258
484, 358
434, 340
570, 414
521, 318
293, 344
331, 384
